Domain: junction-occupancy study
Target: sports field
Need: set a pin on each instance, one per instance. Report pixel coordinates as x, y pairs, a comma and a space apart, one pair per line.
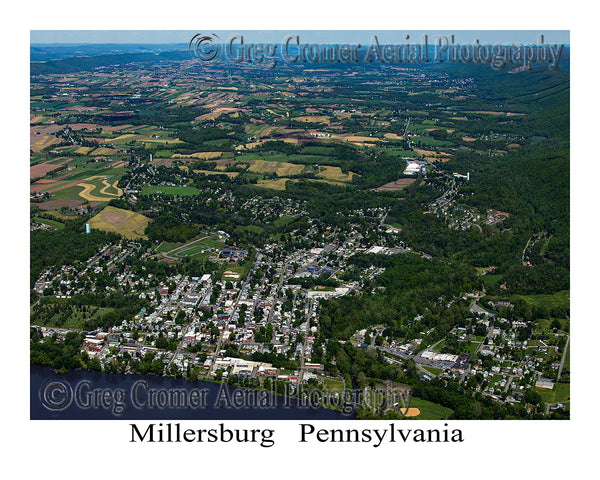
428, 410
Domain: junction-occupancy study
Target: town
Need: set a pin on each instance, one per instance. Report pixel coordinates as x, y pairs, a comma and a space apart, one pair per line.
316, 229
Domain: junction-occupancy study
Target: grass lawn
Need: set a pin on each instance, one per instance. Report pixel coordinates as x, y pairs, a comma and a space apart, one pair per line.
200, 255
251, 228
432, 370
189, 252
544, 324
333, 384
241, 269
199, 248
559, 394
165, 247
558, 299
212, 242
491, 279
75, 320
283, 220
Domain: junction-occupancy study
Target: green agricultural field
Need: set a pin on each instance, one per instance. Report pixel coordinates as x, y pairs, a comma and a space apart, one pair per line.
559, 299
430, 142
417, 127
301, 159
51, 223
248, 156
312, 150
87, 173
125, 138
169, 190
217, 142
400, 152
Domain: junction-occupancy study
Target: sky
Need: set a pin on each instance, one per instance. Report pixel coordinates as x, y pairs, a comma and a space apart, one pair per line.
315, 36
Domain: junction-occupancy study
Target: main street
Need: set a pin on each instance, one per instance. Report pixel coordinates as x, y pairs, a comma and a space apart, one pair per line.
306, 331
257, 259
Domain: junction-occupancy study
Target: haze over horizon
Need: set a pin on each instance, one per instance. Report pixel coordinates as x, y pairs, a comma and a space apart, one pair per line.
322, 36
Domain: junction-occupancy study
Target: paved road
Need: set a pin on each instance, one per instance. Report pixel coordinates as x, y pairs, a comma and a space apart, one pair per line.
562, 362
483, 341
279, 285
525, 250
257, 258
301, 372
510, 379
180, 344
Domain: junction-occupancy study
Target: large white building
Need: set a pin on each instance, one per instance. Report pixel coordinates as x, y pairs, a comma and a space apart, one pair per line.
413, 168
